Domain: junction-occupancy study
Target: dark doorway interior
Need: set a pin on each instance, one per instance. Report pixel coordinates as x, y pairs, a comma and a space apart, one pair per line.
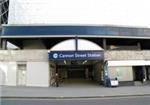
139, 73
74, 74
77, 71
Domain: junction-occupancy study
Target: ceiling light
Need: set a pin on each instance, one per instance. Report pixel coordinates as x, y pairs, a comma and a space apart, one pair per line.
84, 62
65, 62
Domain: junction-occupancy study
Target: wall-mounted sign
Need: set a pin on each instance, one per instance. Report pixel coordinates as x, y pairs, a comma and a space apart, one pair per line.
76, 55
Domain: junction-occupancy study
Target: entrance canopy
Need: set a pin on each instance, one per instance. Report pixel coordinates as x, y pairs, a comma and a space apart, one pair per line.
76, 49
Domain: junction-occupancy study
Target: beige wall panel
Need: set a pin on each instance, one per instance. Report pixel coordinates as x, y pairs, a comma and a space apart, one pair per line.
122, 73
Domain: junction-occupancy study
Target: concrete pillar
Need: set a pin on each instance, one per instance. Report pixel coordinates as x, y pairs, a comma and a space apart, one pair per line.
0, 43
76, 43
4, 44
0, 26
139, 45
105, 73
0, 13
104, 44
144, 70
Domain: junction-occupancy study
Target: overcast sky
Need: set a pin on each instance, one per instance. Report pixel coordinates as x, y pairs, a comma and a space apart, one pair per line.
99, 12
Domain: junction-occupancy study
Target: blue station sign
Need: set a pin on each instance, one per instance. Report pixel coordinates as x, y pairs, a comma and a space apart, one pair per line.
76, 55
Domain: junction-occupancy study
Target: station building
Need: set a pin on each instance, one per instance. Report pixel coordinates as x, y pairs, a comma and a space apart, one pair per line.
89, 53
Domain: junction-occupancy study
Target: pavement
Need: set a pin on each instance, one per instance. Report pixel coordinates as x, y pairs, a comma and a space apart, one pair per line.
80, 91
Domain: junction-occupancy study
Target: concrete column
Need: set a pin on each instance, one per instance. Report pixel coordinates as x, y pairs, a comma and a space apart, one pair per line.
4, 44
0, 43
0, 26
105, 73
0, 13
104, 44
139, 45
144, 70
76, 43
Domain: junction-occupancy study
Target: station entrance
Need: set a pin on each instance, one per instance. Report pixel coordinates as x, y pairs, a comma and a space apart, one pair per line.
80, 72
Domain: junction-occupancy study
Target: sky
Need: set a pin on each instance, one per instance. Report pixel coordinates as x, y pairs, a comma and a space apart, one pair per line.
80, 12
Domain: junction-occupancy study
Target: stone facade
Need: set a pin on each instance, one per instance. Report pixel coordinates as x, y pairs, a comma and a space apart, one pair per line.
42, 55
24, 55
127, 55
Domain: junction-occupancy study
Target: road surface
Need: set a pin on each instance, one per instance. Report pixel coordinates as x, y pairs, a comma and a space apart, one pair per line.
139, 100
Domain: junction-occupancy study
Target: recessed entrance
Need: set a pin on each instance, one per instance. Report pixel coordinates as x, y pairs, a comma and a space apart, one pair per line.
78, 72
139, 74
